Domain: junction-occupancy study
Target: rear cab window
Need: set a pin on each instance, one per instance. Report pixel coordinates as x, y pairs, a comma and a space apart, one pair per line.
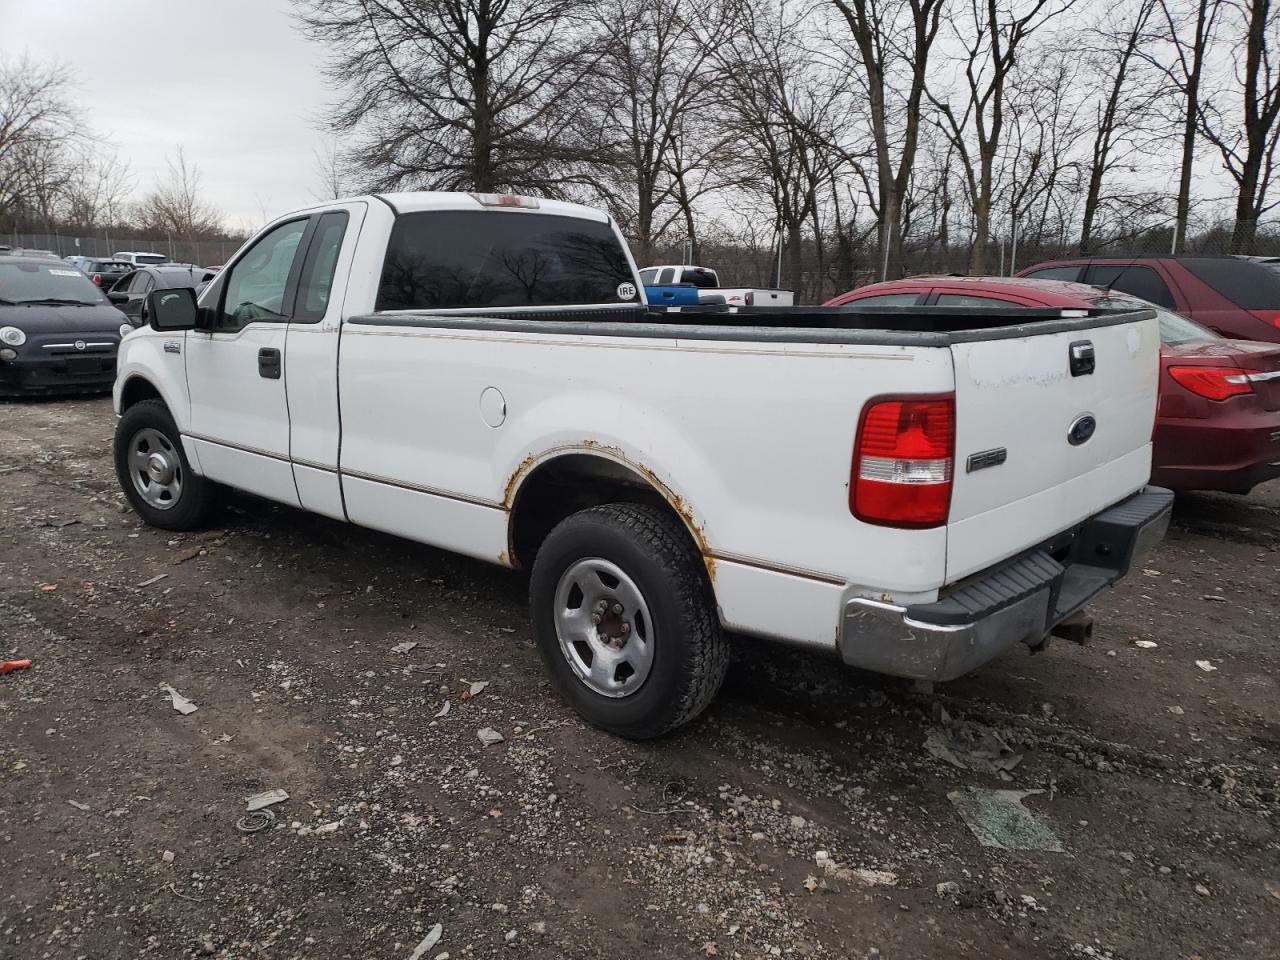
448, 259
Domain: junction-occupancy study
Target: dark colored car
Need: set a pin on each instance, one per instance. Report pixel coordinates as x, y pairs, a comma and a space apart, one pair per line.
1218, 421
131, 289
58, 332
1236, 296
104, 272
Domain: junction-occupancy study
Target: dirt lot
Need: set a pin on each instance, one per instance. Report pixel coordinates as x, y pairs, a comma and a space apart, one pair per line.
118, 815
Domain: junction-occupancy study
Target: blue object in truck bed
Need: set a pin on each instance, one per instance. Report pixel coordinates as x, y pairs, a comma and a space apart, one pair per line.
672, 295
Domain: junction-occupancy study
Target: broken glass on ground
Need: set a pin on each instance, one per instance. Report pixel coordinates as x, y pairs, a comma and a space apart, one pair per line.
998, 819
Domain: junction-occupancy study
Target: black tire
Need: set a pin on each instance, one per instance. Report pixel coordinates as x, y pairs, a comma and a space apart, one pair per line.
690, 655
196, 497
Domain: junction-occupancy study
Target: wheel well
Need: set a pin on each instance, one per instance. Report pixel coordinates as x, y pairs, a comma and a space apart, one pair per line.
135, 391
573, 482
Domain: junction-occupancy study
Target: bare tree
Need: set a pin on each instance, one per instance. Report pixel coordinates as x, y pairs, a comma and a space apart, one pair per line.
788, 110
176, 207
1247, 140
460, 94
330, 171
894, 39
1122, 113
98, 190
658, 119
37, 120
992, 35
1188, 27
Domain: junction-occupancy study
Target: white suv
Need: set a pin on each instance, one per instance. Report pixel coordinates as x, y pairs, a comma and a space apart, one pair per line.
140, 258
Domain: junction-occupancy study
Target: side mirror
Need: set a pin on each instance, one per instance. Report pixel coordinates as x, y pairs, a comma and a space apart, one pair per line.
173, 309
115, 296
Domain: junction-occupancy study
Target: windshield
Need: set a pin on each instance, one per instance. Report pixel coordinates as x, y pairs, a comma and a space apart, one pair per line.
35, 281
1175, 329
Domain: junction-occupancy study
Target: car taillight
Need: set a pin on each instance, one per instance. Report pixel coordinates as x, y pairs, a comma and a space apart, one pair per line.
903, 461
1268, 316
97, 278
750, 298
1213, 383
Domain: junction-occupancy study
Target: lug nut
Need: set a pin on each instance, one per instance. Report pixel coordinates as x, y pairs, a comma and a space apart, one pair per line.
626, 628
595, 618
617, 608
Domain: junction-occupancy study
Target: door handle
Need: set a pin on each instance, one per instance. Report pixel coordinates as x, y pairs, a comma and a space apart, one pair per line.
269, 363
1082, 360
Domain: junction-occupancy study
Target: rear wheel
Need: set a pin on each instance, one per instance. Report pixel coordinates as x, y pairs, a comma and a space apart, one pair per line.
626, 621
153, 470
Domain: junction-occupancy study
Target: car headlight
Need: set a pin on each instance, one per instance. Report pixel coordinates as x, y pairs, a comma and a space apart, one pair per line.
125, 330
12, 336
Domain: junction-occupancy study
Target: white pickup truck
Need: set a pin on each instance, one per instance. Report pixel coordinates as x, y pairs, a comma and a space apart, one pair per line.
914, 489
705, 284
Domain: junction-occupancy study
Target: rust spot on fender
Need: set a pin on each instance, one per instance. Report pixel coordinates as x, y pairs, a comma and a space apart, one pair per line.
710, 563
509, 493
677, 502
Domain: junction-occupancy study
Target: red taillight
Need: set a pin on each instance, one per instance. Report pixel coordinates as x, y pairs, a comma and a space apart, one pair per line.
97, 278
1268, 316
1213, 383
903, 461
750, 298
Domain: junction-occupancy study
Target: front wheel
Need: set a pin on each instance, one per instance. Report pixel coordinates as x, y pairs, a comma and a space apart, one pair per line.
625, 619
153, 470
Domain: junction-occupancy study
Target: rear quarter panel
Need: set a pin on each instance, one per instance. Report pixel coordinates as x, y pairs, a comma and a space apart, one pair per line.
752, 441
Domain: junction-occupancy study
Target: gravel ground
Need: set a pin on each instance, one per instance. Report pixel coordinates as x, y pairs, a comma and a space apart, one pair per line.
802, 816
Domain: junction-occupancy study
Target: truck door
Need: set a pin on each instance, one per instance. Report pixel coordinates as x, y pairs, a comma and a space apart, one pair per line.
235, 369
311, 358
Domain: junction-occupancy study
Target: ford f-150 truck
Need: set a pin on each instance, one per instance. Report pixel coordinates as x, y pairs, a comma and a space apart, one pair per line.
914, 489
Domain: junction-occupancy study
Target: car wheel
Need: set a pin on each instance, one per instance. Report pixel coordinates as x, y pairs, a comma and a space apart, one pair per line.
625, 619
153, 470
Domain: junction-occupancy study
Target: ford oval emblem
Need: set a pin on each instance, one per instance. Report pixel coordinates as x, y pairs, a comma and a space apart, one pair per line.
1081, 429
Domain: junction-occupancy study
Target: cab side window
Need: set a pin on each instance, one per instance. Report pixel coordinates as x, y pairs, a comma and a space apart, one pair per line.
1136, 281
258, 282
970, 300
1054, 273
886, 300
317, 272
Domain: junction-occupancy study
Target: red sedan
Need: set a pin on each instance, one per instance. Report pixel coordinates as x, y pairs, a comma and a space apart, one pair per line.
1218, 425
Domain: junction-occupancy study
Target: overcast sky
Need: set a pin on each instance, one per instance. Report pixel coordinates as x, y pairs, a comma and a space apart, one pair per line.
230, 80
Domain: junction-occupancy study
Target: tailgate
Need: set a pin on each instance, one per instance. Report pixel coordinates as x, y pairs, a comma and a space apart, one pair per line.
1020, 475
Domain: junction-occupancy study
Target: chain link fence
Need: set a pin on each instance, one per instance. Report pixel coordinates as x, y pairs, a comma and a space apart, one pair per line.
205, 253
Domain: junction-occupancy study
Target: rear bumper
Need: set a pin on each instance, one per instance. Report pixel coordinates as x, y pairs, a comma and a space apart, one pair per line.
1218, 454
1018, 602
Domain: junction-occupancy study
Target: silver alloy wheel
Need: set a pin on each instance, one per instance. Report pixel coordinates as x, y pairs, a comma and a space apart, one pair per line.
156, 468
604, 627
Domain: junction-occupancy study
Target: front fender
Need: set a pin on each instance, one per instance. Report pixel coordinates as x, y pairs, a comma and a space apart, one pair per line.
160, 360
